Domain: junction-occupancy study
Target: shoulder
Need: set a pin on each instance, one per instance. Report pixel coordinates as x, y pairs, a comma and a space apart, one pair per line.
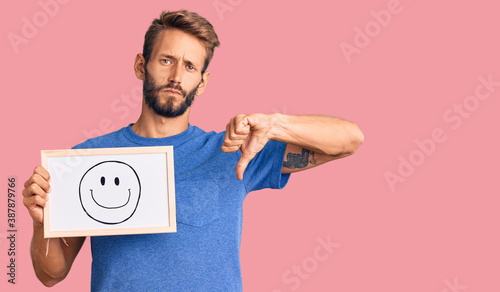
101, 141
204, 137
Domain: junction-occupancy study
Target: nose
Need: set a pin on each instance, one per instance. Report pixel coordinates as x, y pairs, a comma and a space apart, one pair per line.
176, 73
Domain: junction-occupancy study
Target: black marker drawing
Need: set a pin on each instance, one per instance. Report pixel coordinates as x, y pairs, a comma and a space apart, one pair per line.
110, 192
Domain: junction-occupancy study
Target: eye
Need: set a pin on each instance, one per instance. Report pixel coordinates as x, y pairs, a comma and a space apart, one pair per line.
165, 61
103, 180
190, 68
117, 181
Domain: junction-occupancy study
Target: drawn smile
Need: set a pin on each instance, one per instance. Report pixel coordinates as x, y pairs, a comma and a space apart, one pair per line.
112, 207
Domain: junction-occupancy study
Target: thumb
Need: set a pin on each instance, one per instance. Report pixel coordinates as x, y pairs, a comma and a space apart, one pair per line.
242, 165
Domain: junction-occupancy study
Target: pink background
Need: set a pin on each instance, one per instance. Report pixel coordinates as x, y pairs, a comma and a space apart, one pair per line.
434, 230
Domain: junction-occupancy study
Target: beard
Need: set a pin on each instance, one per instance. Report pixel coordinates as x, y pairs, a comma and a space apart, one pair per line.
151, 95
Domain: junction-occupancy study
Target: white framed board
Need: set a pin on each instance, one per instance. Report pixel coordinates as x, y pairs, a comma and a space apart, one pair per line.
110, 191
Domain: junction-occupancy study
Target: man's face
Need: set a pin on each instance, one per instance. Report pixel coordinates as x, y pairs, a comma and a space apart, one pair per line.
173, 73
152, 91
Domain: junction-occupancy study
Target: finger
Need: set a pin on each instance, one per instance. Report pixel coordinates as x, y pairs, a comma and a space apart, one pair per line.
232, 133
242, 165
232, 141
41, 181
233, 136
34, 190
229, 149
34, 202
241, 125
38, 171
228, 145
228, 126
43, 172
28, 182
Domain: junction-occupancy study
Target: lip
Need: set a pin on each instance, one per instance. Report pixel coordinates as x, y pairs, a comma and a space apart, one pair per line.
172, 91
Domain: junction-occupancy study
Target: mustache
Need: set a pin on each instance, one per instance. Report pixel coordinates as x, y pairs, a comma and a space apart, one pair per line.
171, 85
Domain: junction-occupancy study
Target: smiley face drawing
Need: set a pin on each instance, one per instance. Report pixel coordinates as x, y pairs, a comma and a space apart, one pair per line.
110, 192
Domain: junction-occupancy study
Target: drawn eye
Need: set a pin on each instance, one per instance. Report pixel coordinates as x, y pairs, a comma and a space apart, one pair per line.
117, 181
103, 180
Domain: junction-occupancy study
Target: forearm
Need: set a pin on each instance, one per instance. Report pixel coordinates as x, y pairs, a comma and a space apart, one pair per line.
324, 138
50, 267
322, 134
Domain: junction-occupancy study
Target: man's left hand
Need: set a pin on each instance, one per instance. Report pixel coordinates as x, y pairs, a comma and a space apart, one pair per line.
249, 133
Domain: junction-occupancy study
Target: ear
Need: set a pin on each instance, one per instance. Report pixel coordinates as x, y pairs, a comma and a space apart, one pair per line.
139, 66
203, 84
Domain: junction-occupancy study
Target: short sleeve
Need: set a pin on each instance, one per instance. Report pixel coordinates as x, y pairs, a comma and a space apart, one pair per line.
83, 145
264, 170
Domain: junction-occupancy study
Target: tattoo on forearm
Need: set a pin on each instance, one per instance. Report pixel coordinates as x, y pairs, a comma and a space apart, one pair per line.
313, 161
299, 160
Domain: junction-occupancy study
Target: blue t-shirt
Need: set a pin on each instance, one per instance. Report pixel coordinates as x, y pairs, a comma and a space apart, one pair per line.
203, 255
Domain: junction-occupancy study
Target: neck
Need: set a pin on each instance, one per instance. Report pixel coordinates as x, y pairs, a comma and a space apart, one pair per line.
152, 125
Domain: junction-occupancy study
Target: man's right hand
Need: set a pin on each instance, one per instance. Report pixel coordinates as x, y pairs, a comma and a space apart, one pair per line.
35, 193
51, 265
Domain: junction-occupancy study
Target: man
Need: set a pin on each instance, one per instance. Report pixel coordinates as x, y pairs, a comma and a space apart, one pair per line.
203, 255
